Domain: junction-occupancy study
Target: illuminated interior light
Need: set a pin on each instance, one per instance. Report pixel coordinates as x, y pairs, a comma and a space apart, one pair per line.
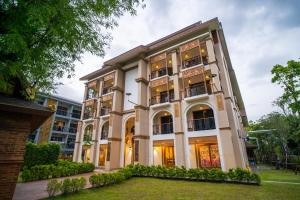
170, 61
201, 108
156, 66
202, 51
186, 56
206, 77
190, 81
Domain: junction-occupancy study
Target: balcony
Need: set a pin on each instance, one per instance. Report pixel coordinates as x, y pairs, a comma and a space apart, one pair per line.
160, 129
76, 115
190, 62
104, 135
62, 112
161, 72
201, 124
60, 128
106, 90
105, 111
73, 130
196, 89
88, 115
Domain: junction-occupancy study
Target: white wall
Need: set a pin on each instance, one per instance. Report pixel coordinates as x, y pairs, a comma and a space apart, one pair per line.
131, 87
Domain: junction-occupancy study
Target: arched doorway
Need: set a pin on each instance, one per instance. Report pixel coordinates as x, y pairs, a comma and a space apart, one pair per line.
163, 123
86, 146
204, 150
129, 141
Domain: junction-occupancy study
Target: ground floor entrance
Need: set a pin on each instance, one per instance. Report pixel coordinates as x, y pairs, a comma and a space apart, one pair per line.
163, 153
86, 154
102, 155
204, 152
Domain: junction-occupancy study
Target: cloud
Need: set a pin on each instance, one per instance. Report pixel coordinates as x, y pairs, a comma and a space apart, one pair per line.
259, 34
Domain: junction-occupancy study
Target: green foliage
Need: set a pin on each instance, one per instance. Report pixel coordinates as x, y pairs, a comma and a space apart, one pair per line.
66, 186
216, 175
59, 169
288, 77
53, 187
41, 40
40, 154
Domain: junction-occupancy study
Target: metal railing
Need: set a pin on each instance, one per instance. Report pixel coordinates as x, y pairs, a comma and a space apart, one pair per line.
161, 72
76, 115
73, 130
88, 115
191, 62
159, 99
60, 128
104, 135
105, 111
62, 112
106, 90
195, 90
160, 129
201, 124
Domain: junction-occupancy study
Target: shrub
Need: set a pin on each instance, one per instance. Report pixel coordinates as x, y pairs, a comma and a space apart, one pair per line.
53, 187
100, 180
40, 154
59, 169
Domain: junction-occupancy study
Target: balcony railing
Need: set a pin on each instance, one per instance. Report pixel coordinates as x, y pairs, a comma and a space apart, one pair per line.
61, 112
60, 128
157, 99
201, 124
105, 111
106, 90
88, 115
73, 130
191, 62
104, 135
161, 72
165, 128
195, 90
76, 115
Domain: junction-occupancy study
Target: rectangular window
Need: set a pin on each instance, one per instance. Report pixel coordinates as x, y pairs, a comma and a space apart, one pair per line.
136, 150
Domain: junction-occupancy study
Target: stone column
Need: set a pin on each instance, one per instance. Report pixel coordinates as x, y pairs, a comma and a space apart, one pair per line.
179, 135
141, 137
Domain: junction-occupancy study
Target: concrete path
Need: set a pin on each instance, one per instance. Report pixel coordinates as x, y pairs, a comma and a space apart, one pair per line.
37, 189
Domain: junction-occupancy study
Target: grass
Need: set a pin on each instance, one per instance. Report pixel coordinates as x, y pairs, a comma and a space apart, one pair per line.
152, 188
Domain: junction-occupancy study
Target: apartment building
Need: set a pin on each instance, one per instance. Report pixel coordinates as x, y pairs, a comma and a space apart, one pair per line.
173, 102
62, 126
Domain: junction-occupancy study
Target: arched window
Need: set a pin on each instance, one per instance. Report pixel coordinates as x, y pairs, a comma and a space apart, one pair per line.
104, 131
88, 132
163, 123
200, 117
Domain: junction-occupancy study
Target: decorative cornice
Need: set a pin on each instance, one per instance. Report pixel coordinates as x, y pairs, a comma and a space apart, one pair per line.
141, 107
143, 80
116, 113
117, 88
145, 137
128, 111
114, 139
225, 128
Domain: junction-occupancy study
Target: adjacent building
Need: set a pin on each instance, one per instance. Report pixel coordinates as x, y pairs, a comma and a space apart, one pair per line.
173, 102
62, 126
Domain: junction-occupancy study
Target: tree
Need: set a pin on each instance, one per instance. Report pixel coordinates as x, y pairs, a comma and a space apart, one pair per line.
41, 39
288, 77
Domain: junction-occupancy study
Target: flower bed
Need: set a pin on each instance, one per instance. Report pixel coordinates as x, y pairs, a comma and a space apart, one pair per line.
59, 169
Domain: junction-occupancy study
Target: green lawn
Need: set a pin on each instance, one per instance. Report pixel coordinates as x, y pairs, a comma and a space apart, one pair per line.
151, 188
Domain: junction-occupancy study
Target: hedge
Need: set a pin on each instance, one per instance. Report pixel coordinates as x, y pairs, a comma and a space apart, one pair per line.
237, 175
59, 169
40, 154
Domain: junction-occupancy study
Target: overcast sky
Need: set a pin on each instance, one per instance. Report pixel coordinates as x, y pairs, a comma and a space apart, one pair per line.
259, 34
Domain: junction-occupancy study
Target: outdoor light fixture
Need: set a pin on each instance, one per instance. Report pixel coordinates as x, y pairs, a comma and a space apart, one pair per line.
128, 94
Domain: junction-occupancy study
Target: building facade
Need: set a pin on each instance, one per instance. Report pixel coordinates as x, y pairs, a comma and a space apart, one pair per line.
173, 102
62, 126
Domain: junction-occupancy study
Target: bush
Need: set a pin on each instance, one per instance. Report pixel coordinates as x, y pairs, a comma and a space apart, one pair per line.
53, 187
59, 169
66, 186
40, 154
100, 180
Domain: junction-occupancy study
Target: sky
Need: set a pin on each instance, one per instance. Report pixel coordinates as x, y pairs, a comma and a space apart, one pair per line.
259, 35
